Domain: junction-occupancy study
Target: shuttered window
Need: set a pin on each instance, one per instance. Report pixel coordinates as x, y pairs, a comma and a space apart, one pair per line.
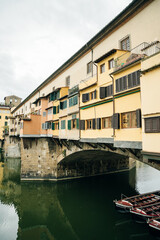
116, 121
134, 79
54, 110
138, 117
77, 123
69, 124
98, 123
73, 101
53, 126
82, 124
121, 84
63, 124
106, 91
94, 123
85, 97
129, 81
152, 125
63, 105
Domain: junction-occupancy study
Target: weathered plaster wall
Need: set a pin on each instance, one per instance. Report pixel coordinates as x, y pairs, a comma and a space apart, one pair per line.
12, 147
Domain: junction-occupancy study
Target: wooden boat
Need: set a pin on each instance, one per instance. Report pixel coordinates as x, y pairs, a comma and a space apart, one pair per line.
145, 212
127, 203
154, 225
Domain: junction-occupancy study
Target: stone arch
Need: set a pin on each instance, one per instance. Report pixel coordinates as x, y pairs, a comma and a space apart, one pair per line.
91, 162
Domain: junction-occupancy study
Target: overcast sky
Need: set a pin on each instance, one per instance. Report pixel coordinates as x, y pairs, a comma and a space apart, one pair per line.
38, 36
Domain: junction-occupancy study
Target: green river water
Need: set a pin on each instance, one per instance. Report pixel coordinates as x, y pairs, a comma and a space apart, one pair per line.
82, 209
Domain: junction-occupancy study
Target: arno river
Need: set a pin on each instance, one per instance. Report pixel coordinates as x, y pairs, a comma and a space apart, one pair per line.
74, 210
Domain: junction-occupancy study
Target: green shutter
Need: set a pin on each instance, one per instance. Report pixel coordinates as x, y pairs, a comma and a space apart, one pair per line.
53, 126
77, 120
69, 124
54, 110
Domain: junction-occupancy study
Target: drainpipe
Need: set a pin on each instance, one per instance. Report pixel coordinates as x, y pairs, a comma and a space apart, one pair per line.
113, 102
79, 114
92, 60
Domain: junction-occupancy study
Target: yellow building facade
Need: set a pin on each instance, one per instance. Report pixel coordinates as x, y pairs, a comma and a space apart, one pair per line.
4, 114
102, 92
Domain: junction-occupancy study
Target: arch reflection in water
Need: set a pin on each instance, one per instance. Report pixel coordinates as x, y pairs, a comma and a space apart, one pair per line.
80, 209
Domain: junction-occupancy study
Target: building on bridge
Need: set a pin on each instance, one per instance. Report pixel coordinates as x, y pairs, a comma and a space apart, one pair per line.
106, 93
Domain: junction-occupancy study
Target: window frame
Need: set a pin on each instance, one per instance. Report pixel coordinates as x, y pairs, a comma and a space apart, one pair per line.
111, 63
89, 67
109, 122
102, 68
123, 42
130, 120
151, 129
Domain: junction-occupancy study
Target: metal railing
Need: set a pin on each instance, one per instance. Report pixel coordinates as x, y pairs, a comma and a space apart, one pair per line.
73, 90
130, 56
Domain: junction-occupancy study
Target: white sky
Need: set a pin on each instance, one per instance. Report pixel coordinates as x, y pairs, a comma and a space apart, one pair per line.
38, 36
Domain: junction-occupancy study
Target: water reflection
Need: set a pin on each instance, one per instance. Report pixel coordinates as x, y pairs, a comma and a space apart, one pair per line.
81, 209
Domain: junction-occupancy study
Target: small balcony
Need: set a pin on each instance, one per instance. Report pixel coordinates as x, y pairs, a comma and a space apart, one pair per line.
73, 90
87, 82
141, 51
130, 57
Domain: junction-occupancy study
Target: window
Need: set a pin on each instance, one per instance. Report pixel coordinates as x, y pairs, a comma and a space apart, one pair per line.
73, 123
111, 63
106, 91
152, 125
102, 68
50, 111
63, 104
63, 124
5, 123
6, 117
10, 100
68, 81
89, 67
53, 96
89, 124
129, 81
134, 79
129, 120
40, 103
121, 84
93, 95
15, 100
0, 117
106, 122
73, 101
44, 114
125, 44
55, 125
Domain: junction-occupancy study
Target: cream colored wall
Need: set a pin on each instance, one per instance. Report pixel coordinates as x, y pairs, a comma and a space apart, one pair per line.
100, 111
150, 85
63, 133
73, 133
141, 28
89, 90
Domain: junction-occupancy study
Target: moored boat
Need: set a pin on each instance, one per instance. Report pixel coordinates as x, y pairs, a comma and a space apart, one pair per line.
127, 203
145, 212
154, 225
